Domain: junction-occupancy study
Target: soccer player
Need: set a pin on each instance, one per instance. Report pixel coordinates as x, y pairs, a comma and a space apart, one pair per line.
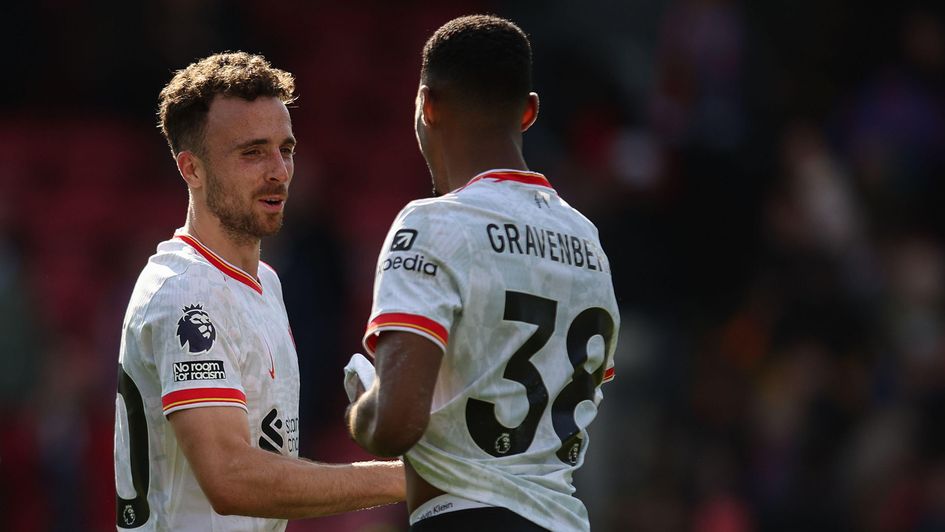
207, 413
494, 320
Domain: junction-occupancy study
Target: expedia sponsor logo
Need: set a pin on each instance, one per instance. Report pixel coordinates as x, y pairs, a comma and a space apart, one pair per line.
403, 240
205, 370
417, 263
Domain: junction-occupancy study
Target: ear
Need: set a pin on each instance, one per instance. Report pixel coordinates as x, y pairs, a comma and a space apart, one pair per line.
531, 111
191, 168
425, 106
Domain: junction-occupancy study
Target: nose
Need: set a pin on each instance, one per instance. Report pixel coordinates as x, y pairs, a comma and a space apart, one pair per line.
281, 168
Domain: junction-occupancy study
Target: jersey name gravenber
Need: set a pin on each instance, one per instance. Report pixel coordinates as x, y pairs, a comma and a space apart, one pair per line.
198, 332
511, 282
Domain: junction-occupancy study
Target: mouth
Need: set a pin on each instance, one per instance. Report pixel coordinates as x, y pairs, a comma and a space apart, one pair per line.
273, 203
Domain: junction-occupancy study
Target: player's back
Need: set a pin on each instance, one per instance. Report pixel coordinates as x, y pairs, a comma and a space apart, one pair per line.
529, 335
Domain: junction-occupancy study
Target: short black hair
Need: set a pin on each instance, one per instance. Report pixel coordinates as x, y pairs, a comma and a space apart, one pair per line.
482, 59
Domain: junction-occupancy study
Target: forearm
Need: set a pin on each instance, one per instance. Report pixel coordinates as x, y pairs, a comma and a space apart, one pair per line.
263, 484
391, 416
238, 478
361, 420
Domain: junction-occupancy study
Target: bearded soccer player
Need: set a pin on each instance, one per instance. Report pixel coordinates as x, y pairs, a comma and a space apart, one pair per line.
494, 320
207, 419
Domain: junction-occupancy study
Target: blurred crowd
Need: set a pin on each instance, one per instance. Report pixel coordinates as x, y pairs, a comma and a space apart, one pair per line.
765, 177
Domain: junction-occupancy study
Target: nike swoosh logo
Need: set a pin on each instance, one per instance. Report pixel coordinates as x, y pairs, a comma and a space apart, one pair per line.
272, 364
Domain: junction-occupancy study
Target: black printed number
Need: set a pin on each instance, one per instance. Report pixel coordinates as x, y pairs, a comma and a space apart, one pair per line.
489, 434
498, 440
587, 324
132, 513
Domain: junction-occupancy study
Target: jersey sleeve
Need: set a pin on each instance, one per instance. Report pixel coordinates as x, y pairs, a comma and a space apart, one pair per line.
416, 288
194, 336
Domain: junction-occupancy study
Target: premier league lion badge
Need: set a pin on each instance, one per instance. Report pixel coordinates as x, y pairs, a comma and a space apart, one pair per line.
195, 330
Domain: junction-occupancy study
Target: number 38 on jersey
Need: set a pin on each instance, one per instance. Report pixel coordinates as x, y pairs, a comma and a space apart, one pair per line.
498, 440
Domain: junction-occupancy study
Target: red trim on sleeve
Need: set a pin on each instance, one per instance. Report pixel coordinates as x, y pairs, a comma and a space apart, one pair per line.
609, 374
202, 395
395, 320
221, 264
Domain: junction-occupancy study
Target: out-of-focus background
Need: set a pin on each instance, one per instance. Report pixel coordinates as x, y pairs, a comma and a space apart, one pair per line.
767, 178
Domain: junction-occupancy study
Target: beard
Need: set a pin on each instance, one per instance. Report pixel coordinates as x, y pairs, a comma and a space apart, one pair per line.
239, 220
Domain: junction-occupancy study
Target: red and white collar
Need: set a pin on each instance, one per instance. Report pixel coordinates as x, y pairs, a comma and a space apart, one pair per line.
519, 176
220, 263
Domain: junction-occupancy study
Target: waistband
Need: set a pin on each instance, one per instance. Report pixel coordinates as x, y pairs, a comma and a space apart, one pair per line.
443, 504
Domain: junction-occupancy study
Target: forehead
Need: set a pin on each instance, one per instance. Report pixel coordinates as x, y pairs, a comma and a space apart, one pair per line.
233, 119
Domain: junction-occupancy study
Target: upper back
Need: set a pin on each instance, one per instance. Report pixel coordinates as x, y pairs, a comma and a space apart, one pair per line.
526, 265
503, 273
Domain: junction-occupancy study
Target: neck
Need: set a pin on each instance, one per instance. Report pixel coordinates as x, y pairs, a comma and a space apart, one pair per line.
240, 251
467, 156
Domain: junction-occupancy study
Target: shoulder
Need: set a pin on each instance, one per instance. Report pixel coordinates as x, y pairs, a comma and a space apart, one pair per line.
189, 271
431, 209
438, 222
173, 279
449, 215
269, 278
576, 218
267, 272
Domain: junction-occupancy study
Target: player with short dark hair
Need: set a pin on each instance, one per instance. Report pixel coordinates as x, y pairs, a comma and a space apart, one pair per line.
207, 413
481, 62
494, 320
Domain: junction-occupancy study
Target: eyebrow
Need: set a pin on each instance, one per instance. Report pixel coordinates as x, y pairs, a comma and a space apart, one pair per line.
260, 142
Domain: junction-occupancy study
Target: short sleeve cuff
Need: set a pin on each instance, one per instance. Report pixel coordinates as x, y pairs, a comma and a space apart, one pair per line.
414, 323
197, 397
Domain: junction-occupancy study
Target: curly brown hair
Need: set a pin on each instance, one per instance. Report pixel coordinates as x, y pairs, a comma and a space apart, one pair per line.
185, 100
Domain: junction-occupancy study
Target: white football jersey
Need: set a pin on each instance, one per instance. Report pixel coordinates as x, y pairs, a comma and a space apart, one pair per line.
511, 282
198, 332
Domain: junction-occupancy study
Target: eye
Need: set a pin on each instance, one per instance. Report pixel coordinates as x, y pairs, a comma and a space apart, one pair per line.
252, 152
288, 150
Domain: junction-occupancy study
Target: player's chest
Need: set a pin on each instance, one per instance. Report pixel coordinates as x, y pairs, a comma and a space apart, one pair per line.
263, 338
